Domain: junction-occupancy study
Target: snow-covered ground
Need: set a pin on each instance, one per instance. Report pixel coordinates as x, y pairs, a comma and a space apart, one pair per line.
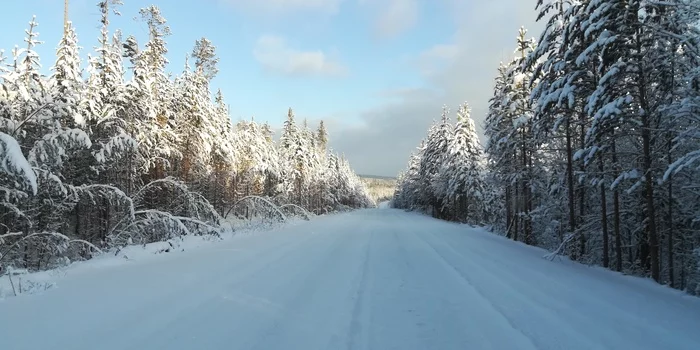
371, 279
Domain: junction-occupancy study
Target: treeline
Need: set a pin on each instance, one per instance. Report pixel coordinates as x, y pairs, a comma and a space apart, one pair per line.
380, 189
90, 159
445, 176
593, 142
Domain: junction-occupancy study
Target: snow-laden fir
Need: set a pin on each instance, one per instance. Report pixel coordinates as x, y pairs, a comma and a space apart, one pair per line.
592, 142
92, 160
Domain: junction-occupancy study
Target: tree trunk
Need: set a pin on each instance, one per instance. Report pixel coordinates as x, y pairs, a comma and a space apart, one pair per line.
670, 238
582, 188
509, 214
516, 211
652, 237
682, 273
616, 209
570, 178
533, 239
604, 215
526, 194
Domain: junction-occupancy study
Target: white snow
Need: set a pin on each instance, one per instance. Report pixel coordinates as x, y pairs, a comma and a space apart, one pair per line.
13, 162
371, 279
519, 78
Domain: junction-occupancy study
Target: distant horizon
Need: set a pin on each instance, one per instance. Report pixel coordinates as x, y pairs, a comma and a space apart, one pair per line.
381, 177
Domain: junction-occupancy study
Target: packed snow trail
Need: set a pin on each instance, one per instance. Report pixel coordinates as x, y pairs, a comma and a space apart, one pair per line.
371, 279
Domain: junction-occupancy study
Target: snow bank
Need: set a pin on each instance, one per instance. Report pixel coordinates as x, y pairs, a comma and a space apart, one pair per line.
38, 282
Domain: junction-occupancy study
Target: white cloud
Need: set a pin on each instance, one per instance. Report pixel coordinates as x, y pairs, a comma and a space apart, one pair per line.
285, 6
404, 93
394, 16
397, 17
430, 61
461, 70
441, 52
275, 55
482, 45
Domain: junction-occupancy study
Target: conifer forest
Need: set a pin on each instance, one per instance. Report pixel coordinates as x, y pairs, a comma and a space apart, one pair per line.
593, 142
113, 151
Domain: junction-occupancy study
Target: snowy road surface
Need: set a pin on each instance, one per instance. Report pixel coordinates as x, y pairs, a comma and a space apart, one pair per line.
373, 279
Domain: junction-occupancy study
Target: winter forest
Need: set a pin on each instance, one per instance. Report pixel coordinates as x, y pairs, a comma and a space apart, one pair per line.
593, 142
114, 151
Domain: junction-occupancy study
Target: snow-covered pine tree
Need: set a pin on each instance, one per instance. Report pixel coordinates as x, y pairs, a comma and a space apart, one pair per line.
615, 82
561, 123
500, 156
148, 94
67, 81
104, 105
554, 102
193, 125
322, 137
682, 146
160, 92
93, 161
291, 143
463, 170
206, 62
435, 154
321, 168
256, 158
273, 163
48, 130
223, 155
407, 195
637, 83
313, 166
512, 148
518, 102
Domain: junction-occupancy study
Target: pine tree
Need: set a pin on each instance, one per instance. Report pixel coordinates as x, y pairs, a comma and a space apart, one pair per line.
464, 170
499, 151
193, 124
435, 154
67, 81
322, 137
512, 146
291, 144
206, 62
408, 195
96, 161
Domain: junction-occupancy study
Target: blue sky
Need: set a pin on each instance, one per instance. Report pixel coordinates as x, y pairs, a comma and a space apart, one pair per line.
377, 71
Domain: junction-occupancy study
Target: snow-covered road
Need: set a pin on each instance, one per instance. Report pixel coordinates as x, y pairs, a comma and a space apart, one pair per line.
374, 279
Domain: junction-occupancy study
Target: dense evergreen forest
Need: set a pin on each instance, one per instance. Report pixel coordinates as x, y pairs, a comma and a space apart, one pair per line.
593, 142
115, 151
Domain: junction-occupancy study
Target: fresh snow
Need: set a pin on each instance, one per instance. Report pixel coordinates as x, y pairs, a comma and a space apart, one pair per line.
14, 163
370, 279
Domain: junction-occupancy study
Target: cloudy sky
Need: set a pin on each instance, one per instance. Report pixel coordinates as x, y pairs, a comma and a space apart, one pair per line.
377, 71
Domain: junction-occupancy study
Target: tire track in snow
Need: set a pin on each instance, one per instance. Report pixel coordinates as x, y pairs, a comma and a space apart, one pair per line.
434, 307
519, 302
305, 268
527, 286
364, 280
528, 341
357, 334
178, 305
